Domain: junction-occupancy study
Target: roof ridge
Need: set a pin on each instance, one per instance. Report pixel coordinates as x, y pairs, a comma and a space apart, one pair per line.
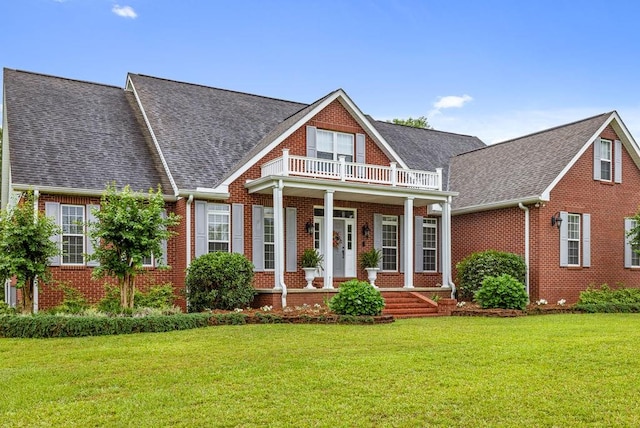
427, 129
62, 78
537, 132
216, 88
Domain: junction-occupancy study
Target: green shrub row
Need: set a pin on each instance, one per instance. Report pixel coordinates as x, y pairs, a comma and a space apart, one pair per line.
45, 326
606, 299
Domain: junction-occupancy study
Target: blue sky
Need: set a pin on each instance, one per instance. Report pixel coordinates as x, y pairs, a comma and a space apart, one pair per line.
494, 69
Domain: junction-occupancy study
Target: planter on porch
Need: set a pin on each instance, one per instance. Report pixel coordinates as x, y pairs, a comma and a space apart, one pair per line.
372, 275
309, 275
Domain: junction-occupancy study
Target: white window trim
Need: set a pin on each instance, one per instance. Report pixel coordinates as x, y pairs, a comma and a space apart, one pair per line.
83, 235
152, 264
386, 221
430, 223
569, 239
633, 253
609, 160
227, 212
335, 143
267, 212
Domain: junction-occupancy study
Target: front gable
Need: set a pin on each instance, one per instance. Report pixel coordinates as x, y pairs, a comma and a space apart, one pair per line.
336, 113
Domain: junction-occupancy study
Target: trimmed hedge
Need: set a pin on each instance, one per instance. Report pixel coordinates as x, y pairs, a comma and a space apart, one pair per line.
48, 326
502, 292
357, 298
608, 300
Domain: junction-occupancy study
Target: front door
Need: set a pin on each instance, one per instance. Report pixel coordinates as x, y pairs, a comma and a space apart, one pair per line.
343, 245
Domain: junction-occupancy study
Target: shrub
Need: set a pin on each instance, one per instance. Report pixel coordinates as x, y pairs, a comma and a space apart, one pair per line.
110, 303
504, 292
219, 281
357, 298
606, 299
7, 310
159, 297
473, 269
73, 302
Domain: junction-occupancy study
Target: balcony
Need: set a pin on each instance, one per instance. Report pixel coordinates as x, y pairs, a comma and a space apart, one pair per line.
341, 170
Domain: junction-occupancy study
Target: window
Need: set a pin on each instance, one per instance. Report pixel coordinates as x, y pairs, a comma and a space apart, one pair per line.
631, 257
635, 257
72, 234
430, 244
605, 160
147, 261
218, 227
331, 145
269, 239
573, 235
389, 243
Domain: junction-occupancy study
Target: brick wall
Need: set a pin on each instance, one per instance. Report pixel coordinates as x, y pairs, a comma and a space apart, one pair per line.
577, 192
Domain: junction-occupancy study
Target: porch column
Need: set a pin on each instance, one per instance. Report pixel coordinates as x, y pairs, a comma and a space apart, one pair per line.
408, 243
446, 246
328, 239
278, 233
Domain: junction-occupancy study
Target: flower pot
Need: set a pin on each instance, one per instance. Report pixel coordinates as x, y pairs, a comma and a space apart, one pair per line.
372, 274
309, 275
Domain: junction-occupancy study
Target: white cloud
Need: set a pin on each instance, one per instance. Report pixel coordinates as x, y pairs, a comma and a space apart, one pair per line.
124, 11
451, 101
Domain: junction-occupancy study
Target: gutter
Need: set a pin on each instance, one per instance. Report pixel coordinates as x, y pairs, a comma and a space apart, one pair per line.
501, 204
526, 244
188, 261
446, 216
76, 192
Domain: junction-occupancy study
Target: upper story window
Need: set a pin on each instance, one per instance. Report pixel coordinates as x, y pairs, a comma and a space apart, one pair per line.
605, 160
331, 145
72, 234
218, 226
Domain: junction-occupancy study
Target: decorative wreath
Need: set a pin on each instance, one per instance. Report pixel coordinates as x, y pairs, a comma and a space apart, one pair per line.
337, 239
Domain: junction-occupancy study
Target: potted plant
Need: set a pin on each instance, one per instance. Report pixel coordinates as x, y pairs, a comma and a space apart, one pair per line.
369, 260
311, 262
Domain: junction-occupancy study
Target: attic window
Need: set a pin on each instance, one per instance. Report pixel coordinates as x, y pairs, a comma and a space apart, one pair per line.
605, 160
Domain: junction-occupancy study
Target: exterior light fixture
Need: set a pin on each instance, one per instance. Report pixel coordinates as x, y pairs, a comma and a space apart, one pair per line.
556, 220
366, 230
310, 228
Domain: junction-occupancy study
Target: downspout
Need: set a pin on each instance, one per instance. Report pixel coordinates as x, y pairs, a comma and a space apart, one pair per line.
188, 261
36, 198
280, 229
526, 244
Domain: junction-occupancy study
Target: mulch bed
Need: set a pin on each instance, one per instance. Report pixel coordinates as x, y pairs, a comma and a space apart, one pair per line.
305, 315
473, 310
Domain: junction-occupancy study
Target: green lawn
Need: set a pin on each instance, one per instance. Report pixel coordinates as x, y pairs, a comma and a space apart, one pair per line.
554, 370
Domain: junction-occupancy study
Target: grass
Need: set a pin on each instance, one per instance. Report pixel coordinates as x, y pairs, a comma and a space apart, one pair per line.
554, 370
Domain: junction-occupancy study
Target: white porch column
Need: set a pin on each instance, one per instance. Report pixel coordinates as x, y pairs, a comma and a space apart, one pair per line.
446, 246
408, 243
278, 233
328, 239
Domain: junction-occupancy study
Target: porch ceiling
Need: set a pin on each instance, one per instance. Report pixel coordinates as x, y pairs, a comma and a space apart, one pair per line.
347, 191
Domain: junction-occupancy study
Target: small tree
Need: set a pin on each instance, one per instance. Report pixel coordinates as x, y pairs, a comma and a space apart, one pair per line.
129, 228
25, 247
420, 122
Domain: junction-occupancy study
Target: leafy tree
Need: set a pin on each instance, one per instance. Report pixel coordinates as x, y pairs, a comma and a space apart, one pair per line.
25, 247
129, 227
420, 122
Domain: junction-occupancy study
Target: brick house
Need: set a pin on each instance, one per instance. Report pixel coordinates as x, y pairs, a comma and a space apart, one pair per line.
561, 198
246, 173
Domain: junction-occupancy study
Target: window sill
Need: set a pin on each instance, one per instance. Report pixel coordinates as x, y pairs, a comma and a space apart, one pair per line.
607, 183
73, 267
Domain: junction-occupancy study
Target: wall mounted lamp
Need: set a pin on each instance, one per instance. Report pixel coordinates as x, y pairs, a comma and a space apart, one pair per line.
556, 220
309, 227
366, 230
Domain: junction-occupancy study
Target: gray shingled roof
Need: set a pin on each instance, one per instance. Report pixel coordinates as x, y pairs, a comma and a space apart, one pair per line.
426, 149
73, 134
203, 132
519, 168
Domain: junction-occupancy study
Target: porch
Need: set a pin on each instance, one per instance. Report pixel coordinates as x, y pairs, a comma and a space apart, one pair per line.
338, 204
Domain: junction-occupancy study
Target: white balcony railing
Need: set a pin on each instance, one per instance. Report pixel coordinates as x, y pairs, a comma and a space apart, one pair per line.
351, 171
